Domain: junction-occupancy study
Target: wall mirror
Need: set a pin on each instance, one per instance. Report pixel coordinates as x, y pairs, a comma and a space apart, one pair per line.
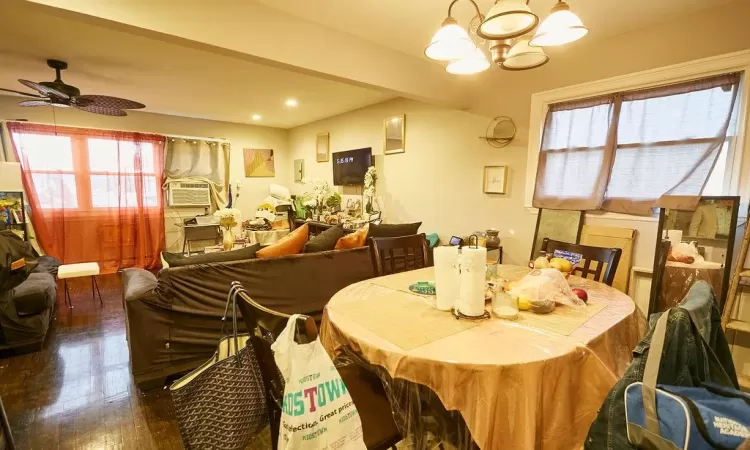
394, 135
322, 149
559, 225
702, 245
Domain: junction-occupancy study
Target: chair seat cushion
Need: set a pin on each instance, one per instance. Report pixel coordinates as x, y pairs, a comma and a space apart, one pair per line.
78, 270
35, 295
324, 241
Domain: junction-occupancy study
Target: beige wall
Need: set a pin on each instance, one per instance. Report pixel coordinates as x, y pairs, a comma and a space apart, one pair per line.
439, 179
240, 136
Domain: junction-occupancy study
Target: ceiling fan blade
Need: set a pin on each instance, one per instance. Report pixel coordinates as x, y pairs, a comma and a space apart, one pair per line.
111, 102
45, 90
34, 103
28, 94
103, 110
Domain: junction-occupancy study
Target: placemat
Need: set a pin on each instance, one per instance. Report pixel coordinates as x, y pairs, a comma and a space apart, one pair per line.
564, 320
401, 281
403, 319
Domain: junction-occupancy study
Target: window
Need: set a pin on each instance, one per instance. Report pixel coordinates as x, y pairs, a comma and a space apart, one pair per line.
632, 151
88, 173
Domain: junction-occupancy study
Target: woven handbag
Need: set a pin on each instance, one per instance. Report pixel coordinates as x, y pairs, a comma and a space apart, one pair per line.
221, 404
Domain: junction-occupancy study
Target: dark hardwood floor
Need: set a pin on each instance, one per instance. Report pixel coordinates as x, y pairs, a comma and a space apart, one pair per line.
77, 392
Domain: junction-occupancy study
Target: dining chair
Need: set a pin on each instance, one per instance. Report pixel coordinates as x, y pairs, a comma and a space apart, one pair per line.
399, 254
609, 257
378, 428
660, 264
289, 214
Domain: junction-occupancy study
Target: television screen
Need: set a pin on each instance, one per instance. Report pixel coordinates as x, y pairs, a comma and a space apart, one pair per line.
349, 167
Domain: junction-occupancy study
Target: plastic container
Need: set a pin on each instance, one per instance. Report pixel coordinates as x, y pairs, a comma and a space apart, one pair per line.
504, 305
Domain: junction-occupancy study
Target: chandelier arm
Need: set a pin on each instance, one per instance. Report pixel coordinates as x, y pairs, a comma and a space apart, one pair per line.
476, 8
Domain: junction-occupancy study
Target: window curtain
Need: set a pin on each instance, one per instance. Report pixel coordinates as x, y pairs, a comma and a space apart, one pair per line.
94, 194
634, 151
198, 160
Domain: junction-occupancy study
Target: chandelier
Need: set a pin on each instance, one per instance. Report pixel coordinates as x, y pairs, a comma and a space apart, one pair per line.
507, 31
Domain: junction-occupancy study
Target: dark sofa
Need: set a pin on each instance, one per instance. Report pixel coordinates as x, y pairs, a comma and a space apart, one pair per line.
27, 310
173, 319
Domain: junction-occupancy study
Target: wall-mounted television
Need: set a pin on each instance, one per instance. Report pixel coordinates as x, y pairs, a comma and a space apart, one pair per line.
349, 167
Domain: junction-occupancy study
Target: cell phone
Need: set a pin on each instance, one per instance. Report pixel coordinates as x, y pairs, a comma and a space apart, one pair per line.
455, 240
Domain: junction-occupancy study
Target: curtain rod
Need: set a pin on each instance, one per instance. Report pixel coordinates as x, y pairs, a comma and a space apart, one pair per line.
176, 136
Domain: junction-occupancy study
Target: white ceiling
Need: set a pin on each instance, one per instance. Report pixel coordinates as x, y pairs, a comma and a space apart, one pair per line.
168, 78
408, 25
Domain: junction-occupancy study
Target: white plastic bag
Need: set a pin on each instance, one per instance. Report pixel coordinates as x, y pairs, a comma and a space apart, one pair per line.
546, 285
317, 411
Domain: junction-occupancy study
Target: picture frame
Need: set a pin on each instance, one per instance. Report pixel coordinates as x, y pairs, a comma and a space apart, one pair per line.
322, 147
394, 135
259, 163
495, 179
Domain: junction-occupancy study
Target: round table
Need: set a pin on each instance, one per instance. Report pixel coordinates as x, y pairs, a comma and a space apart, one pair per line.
515, 385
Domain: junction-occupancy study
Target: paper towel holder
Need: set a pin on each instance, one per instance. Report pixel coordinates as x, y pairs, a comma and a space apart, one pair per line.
456, 313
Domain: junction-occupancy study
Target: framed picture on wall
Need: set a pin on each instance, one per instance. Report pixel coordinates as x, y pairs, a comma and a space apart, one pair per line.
258, 163
322, 150
495, 179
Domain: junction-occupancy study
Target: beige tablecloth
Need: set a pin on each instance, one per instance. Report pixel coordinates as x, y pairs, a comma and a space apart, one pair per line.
265, 237
515, 386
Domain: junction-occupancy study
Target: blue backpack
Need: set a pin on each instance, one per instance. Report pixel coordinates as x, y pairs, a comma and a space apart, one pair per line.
677, 417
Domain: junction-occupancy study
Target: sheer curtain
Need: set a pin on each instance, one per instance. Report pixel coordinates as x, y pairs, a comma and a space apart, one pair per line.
634, 151
94, 194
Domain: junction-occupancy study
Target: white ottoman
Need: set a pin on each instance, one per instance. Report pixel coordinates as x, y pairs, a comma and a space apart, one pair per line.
90, 269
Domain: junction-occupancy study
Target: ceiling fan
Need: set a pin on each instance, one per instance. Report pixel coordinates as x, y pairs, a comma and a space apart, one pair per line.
57, 93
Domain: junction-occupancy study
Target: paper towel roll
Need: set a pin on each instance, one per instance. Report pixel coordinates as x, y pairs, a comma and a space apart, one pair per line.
446, 277
473, 263
675, 237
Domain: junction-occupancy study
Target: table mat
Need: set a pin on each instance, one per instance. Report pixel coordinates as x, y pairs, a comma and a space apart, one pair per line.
404, 320
564, 320
402, 281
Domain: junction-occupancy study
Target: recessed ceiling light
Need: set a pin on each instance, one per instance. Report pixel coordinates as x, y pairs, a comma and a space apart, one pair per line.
257, 117
290, 102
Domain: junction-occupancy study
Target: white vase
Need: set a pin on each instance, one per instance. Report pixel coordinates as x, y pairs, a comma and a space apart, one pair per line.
228, 239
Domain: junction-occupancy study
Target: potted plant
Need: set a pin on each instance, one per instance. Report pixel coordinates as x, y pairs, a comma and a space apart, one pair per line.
334, 202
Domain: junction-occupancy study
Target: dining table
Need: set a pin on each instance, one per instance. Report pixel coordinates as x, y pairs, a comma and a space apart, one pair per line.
536, 382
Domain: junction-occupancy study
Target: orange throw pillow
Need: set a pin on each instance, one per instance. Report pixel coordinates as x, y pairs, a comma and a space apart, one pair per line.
352, 240
291, 244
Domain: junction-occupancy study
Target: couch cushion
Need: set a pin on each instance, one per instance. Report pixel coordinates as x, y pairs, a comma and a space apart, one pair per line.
35, 295
353, 240
393, 229
324, 241
291, 244
179, 260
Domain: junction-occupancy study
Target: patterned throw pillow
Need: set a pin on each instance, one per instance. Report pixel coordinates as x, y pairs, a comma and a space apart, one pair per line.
353, 240
291, 244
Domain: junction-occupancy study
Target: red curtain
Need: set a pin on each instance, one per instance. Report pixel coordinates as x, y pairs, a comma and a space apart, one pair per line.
95, 195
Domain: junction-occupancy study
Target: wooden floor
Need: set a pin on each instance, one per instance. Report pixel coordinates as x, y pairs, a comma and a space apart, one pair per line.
77, 393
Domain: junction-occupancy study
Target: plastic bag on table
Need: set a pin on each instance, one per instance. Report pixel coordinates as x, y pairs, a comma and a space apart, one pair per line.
545, 285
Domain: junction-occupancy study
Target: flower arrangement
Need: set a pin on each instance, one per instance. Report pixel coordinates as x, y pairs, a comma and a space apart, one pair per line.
228, 217
320, 190
371, 177
310, 203
334, 201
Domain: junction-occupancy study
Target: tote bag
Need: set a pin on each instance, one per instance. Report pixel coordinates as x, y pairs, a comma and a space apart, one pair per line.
221, 404
317, 411
679, 417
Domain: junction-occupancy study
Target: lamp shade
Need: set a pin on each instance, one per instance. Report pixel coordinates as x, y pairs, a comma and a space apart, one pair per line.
507, 19
561, 27
450, 42
474, 63
522, 56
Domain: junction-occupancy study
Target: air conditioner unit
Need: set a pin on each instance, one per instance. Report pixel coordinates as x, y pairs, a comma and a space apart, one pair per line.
188, 194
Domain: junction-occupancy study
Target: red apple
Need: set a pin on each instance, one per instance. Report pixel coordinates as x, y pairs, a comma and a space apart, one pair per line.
583, 295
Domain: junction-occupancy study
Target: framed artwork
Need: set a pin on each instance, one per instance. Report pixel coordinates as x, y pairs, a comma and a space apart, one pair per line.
495, 179
299, 170
322, 149
259, 163
394, 135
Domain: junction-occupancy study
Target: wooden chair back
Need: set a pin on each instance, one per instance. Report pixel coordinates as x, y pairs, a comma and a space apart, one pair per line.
399, 254
606, 259
660, 264
264, 326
